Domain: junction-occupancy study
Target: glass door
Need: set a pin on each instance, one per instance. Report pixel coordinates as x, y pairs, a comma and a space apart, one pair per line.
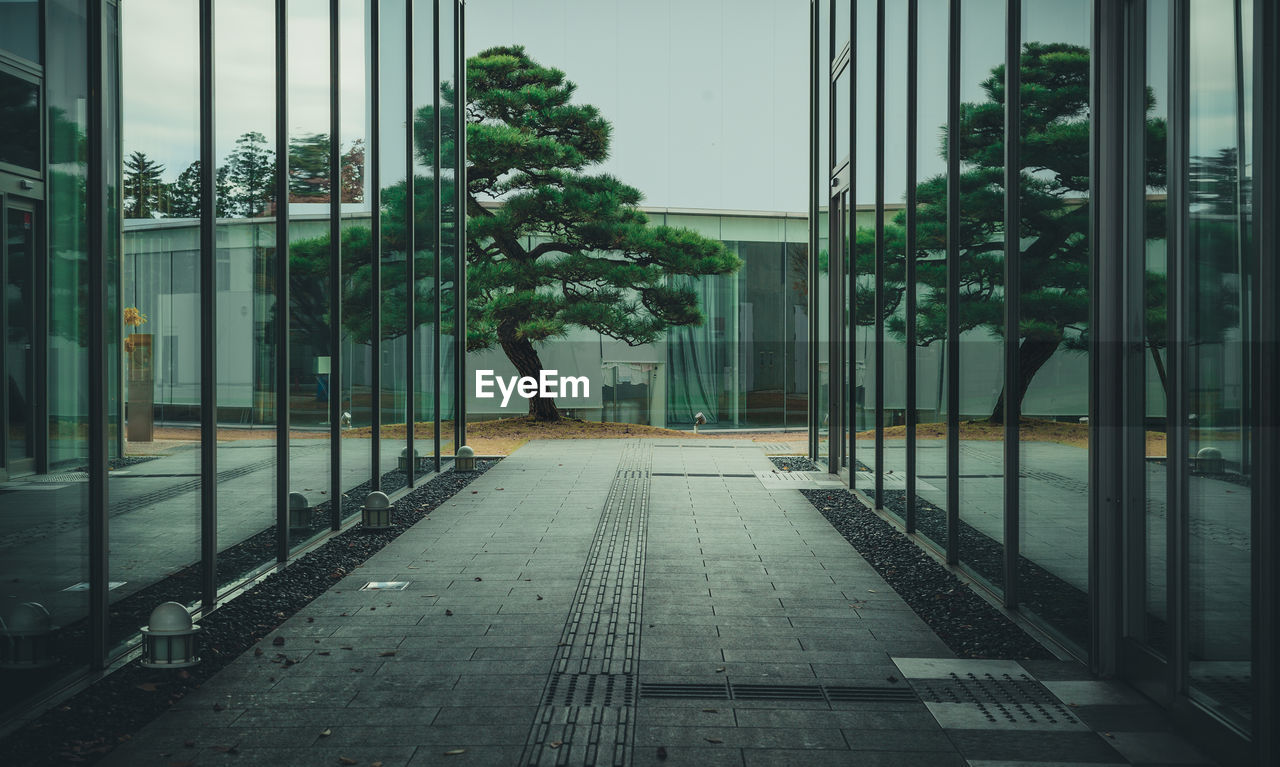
838, 362
20, 237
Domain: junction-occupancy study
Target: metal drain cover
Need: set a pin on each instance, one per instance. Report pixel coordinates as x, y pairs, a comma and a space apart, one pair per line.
385, 586
779, 481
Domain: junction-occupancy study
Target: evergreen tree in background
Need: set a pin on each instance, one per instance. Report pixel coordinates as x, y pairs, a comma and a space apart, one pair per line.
184, 193
144, 189
251, 168
598, 263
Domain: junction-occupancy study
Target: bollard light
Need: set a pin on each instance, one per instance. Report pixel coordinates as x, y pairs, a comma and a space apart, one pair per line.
376, 512
1209, 460
299, 511
404, 459
464, 459
169, 640
698, 420
27, 631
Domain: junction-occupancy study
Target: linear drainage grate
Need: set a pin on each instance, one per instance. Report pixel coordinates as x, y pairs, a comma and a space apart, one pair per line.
696, 474
718, 691
819, 693
984, 701
776, 692
871, 695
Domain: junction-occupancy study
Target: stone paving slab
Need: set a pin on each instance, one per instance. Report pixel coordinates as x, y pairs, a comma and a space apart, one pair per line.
593, 602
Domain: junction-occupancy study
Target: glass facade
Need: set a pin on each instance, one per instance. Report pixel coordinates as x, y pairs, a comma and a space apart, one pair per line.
1056, 290
193, 349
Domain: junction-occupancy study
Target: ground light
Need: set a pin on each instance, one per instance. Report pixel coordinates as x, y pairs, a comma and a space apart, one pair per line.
299, 511
26, 637
169, 640
376, 512
465, 459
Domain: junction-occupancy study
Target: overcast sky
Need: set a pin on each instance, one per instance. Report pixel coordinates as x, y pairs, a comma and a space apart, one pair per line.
708, 98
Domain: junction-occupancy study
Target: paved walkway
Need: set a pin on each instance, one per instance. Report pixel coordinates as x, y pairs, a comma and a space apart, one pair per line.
635, 602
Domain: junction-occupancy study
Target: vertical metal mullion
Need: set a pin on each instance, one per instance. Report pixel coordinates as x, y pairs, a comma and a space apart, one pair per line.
953, 285
1107, 348
375, 251
335, 269
208, 318
1266, 353
282, 280
1012, 292
879, 262
437, 357
812, 299
849, 254
460, 227
96, 203
1133, 451
913, 70
1178, 399
410, 247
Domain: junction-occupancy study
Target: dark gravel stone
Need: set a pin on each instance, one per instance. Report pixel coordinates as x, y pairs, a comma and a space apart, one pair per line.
965, 622
90, 724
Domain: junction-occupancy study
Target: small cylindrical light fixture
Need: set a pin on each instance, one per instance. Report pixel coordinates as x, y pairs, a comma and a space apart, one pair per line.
405, 461
464, 459
698, 420
376, 512
169, 640
299, 511
1209, 461
27, 631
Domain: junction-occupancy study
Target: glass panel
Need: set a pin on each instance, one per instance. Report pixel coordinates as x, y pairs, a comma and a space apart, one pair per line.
19, 121
20, 315
841, 27
761, 364
246, 299
157, 481
449, 240
43, 535
795, 325
1054, 193
426, 143
1219, 514
310, 359
1156, 288
356, 352
392, 174
842, 116
894, 463
863, 357
981, 297
20, 29
822, 195
931, 272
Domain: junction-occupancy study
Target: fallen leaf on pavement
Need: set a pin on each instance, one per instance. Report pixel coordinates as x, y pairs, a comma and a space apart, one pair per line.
386, 654
714, 740
148, 687
346, 760
326, 733
556, 743
455, 752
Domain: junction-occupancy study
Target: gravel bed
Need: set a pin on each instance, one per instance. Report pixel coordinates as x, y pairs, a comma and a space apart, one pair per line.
87, 726
965, 622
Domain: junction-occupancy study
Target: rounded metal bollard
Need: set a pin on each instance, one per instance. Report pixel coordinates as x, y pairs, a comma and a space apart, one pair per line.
376, 512
299, 511
404, 463
169, 638
1209, 460
465, 459
26, 634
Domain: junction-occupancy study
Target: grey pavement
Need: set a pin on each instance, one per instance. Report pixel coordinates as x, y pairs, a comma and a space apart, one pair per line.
632, 602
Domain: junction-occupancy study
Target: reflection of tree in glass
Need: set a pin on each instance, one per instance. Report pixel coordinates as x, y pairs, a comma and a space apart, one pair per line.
601, 266
1054, 224
145, 193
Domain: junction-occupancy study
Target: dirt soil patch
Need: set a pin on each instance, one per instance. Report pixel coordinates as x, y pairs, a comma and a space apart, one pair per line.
1031, 430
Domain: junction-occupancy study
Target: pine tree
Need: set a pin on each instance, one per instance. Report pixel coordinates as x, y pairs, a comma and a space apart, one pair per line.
600, 265
144, 187
251, 168
184, 193
309, 168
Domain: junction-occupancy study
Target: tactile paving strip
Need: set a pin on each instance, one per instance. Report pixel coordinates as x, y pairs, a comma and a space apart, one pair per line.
987, 700
586, 716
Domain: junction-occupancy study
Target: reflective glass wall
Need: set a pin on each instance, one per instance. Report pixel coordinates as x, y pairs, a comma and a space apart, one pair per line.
221, 312
1053, 363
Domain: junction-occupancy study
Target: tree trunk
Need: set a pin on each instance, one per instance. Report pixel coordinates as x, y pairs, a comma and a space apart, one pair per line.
1032, 355
522, 354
